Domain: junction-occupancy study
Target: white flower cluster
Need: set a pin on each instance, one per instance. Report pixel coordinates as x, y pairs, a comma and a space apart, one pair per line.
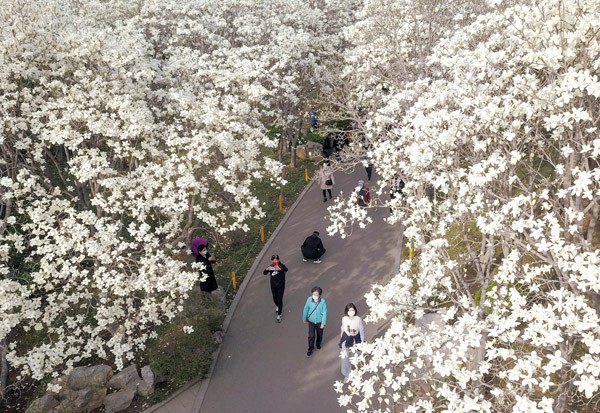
124, 126
489, 111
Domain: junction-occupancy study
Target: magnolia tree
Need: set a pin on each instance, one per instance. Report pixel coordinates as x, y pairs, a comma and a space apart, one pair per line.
499, 143
125, 125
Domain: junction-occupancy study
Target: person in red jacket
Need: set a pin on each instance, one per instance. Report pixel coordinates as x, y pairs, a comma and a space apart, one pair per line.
362, 194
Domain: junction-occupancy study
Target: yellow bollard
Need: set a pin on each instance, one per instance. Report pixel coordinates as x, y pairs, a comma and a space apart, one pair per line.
280, 202
262, 233
410, 253
306, 174
233, 280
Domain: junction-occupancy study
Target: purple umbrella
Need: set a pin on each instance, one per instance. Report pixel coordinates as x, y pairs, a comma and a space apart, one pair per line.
196, 242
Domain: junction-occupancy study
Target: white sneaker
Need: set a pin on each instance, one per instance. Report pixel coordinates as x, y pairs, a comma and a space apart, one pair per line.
317, 261
303, 259
279, 319
346, 380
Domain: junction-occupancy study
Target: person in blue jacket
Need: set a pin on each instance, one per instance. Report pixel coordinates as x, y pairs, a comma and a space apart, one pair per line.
315, 314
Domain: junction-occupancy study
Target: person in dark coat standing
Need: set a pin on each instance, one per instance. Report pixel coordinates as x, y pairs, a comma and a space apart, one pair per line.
277, 272
313, 248
210, 282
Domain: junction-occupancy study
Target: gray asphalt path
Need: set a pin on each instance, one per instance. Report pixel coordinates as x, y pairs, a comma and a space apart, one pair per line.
262, 366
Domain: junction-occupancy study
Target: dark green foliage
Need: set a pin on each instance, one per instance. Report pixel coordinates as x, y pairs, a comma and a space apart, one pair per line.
179, 357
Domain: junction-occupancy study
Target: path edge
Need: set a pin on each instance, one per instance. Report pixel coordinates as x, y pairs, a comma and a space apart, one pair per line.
230, 312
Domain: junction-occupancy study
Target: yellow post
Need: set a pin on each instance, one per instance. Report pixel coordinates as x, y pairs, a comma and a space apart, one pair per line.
280, 202
233, 280
411, 253
262, 233
306, 173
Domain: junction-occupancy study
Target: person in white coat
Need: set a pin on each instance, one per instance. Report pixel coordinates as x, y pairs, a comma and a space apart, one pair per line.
326, 179
352, 332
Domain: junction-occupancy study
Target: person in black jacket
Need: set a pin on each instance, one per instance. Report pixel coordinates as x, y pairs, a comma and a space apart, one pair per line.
313, 248
210, 282
277, 272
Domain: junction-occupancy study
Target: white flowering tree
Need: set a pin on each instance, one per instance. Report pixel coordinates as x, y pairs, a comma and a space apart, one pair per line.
125, 125
498, 138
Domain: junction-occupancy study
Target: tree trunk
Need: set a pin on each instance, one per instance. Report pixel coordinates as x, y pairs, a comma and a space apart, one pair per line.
293, 157
294, 141
3, 368
563, 383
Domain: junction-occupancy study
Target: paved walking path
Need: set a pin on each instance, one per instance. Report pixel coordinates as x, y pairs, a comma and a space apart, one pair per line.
262, 366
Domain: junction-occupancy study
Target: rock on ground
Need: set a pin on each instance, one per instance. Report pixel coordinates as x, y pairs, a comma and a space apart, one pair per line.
82, 377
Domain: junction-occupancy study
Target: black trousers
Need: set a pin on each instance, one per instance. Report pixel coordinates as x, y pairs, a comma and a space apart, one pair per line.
314, 329
277, 292
325, 193
313, 255
369, 170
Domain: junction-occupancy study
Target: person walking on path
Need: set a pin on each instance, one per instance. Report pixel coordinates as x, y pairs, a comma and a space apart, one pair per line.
315, 314
277, 272
369, 171
362, 194
326, 179
328, 144
396, 189
352, 332
313, 248
210, 282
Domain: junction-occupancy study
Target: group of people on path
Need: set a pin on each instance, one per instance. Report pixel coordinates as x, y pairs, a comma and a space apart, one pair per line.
315, 310
311, 248
314, 314
326, 180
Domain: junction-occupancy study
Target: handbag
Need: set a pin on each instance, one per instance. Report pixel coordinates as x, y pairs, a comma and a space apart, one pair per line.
349, 340
329, 182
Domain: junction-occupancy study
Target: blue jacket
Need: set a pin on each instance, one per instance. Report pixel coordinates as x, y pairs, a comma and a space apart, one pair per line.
317, 316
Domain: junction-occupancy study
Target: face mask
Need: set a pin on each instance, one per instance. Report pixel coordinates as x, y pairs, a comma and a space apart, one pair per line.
315, 298
351, 313
204, 252
274, 263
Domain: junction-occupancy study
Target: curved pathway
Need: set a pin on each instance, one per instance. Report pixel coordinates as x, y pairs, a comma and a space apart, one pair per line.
262, 365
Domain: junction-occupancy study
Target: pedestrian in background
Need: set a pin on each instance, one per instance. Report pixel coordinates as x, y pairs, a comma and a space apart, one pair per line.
315, 314
352, 332
326, 179
396, 188
210, 281
362, 194
313, 248
369, 170
277, 272
328, 145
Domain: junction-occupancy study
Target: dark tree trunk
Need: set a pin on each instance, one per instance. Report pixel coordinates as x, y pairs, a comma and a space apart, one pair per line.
3, 368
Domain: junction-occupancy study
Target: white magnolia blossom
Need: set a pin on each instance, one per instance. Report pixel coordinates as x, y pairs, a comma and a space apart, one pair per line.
125, 125
489, 111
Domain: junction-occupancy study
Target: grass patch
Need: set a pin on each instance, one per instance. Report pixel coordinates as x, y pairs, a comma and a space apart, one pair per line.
178, 357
